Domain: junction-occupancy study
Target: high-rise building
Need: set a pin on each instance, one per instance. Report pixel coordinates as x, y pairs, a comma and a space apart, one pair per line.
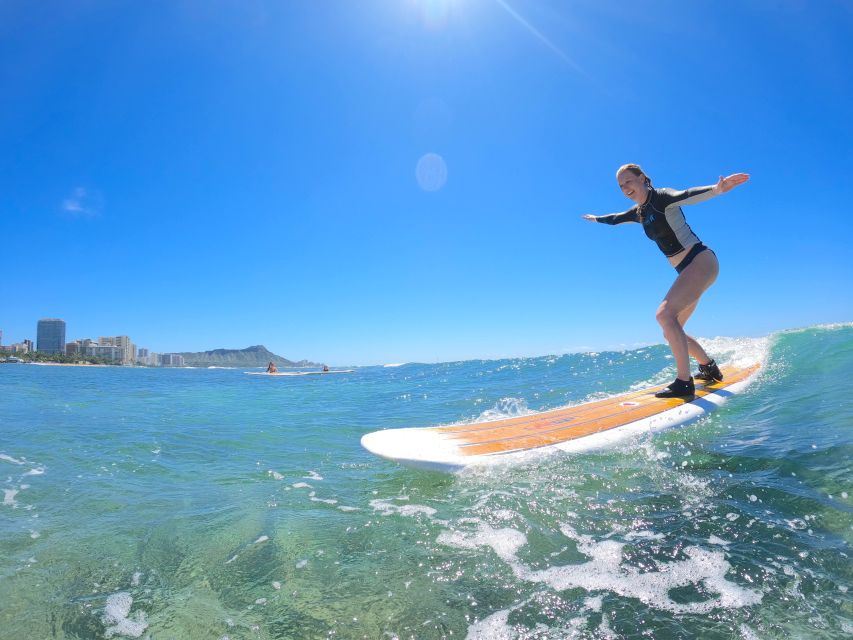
107, 352
127, 347
171, 360
50, 335
20, 347
87, 347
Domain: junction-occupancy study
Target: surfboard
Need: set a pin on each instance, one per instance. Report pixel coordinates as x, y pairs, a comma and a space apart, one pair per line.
582, 427
298, 373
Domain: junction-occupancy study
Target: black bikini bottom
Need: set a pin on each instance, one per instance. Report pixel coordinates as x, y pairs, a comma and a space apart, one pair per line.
695, 250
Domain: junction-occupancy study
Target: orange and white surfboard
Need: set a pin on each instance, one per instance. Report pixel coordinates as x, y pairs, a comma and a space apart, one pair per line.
582, 427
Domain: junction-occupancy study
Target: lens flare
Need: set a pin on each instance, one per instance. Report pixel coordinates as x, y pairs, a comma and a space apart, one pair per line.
431, 172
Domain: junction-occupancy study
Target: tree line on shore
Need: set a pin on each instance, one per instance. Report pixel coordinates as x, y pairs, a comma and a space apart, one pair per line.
37, 356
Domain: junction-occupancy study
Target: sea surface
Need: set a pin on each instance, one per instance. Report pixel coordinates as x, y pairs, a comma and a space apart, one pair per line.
205, 503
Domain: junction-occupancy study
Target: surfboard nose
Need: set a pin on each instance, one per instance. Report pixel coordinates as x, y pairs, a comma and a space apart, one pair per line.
371, 441
415, 447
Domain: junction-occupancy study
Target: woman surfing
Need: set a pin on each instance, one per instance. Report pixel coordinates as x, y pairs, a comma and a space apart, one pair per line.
659, 211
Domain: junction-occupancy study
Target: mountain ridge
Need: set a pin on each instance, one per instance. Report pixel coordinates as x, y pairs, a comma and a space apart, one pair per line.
255, 356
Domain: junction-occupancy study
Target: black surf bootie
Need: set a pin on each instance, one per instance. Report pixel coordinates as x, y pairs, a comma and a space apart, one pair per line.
678, 389
709, 371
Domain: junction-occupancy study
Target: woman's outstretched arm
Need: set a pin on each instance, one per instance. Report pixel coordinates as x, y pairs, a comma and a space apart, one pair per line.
614, 218
695, 195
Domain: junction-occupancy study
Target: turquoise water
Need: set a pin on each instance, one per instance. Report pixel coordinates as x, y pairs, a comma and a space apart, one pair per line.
209, 504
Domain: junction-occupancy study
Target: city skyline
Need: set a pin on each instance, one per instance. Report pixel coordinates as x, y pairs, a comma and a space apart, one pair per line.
120, 342
51, 339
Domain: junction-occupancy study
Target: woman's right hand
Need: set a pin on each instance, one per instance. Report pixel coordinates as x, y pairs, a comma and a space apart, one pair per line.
730, 182
589, 217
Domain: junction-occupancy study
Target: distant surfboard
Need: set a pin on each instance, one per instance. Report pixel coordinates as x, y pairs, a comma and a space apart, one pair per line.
298, 373
582, 427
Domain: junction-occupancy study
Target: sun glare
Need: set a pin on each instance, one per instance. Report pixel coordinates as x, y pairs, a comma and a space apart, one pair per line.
434, 13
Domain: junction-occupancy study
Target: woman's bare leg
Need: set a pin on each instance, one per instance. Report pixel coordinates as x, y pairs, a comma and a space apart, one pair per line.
693, 347
685, 293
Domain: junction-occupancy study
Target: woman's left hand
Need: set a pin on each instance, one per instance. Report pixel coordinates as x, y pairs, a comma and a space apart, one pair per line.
729, 183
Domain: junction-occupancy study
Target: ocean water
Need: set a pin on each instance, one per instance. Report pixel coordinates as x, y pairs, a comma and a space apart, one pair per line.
205, 503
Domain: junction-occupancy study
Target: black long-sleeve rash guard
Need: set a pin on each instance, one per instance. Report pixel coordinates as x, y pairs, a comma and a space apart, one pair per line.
662, 217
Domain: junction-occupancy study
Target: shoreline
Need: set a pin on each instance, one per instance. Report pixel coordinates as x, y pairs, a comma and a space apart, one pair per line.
64, 364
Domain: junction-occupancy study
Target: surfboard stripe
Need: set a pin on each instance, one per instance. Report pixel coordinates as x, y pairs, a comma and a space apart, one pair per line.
544, 429
643, 395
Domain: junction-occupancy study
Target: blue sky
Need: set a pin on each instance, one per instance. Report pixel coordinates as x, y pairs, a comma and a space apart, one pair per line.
205, 174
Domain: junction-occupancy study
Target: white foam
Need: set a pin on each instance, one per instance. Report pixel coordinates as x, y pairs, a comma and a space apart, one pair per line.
737, 352
38, 471
488, 495
659, 378
301, 485
494, 627
3, 456
276, 585
313, 475
9, 497
647, 535
302, 564
797, 524
506, 408
136, 578
386, 508
594, 603
504, 542
693, 487
604, 630
261, 539
605, 570
275, 474
116, 614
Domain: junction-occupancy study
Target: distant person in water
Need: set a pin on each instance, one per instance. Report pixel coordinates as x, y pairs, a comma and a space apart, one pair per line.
271, 368
659, 211
325, 368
